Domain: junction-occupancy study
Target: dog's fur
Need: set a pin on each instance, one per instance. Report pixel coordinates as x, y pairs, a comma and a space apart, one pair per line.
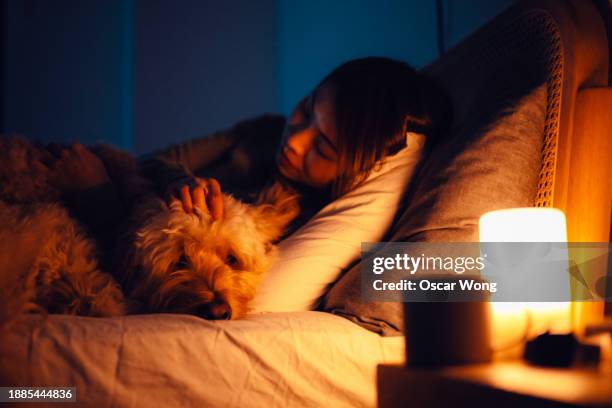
58, 263
171, 261
188, 263
47, 262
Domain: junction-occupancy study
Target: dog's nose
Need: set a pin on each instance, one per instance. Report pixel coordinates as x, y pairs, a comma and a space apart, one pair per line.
216, 311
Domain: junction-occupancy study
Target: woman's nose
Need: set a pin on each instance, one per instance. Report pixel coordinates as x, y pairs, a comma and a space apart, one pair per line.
300, 141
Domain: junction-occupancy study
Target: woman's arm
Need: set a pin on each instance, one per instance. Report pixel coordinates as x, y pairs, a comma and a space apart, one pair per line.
180, 161
178, 164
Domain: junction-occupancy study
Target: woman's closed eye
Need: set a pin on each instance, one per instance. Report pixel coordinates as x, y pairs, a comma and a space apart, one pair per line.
324, 149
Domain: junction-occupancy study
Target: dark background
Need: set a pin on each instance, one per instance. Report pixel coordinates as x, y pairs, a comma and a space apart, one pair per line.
145, 73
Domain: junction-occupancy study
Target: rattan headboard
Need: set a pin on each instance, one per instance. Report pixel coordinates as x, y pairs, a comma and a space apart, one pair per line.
562, 43
576, 162
566, 45
544, 26
576, 61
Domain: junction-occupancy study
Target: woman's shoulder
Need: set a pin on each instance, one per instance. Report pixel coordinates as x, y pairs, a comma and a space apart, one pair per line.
260, 129
257, 140
250, 162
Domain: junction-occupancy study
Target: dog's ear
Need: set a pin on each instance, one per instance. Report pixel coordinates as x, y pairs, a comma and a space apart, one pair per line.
275, 208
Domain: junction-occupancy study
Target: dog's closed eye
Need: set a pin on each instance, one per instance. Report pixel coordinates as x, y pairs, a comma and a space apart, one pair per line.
231, 260
182, 263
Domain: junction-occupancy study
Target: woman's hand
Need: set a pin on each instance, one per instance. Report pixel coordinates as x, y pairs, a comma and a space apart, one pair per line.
193, 192
76, 169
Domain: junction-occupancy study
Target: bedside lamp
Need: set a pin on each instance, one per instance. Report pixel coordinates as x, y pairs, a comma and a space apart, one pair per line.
511, 319
531, 224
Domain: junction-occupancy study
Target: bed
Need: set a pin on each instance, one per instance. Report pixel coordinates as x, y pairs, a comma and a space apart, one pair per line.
317, 358
307, 359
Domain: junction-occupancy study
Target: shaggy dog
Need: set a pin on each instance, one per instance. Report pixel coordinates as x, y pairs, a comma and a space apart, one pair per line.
189, 263
61, 262
175, 262
167, 261
47, 262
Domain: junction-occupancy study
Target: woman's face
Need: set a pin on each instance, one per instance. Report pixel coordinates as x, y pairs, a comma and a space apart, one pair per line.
307, 153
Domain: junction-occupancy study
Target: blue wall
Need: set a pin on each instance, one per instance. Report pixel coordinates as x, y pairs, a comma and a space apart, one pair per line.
462, 17
145, 73
200, 66
315, 36
68, 70
318, 35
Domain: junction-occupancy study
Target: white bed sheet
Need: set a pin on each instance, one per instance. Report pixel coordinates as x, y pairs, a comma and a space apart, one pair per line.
299, 359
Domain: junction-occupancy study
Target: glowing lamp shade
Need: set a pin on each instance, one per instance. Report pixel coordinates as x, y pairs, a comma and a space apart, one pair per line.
526, 318
523, 225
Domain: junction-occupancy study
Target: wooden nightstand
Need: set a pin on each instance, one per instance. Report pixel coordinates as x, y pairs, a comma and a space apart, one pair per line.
493, 385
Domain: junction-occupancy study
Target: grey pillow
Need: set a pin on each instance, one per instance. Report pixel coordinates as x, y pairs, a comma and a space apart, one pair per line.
490, 160
498, 170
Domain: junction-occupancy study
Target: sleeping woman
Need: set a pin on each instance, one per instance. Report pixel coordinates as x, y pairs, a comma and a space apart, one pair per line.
356, 118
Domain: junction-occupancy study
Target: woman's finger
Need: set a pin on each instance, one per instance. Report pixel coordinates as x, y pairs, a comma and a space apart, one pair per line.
198, 196
202, 183
186, 199
215, 199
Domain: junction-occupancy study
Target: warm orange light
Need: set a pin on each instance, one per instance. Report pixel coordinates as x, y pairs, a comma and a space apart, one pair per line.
514, 321
523, 225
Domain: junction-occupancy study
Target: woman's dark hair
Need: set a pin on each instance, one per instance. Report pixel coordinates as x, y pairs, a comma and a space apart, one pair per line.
378, 100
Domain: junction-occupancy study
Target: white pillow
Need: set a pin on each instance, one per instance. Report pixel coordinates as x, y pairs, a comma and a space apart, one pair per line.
314, 256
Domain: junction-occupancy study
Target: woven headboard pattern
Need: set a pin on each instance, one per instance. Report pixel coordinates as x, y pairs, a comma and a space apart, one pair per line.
503, 62
542, 25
